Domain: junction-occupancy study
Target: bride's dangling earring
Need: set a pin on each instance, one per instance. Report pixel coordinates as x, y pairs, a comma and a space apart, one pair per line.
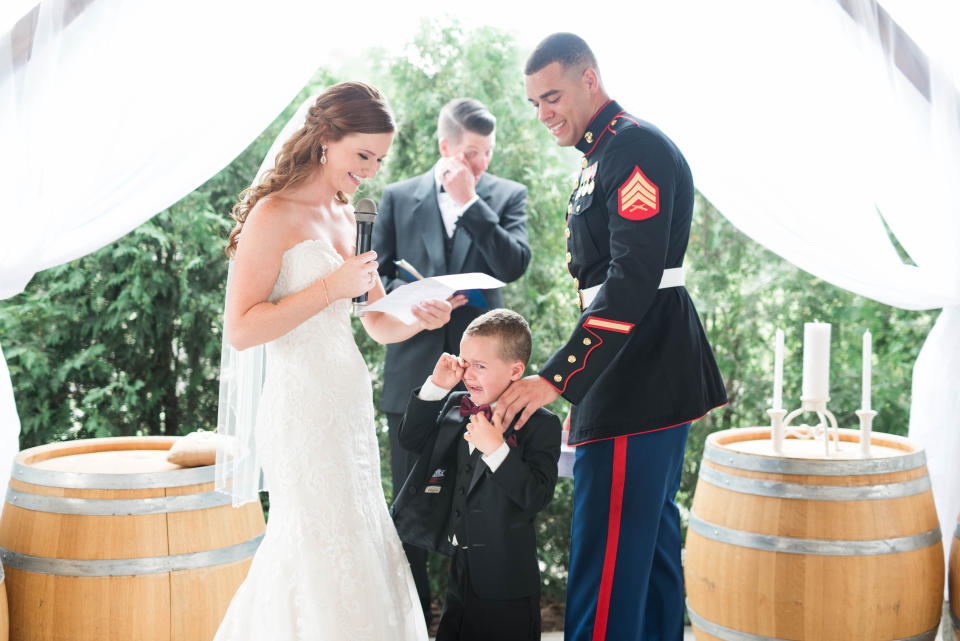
323, 154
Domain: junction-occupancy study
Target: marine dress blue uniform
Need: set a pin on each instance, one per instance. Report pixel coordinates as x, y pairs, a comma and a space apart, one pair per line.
637, 369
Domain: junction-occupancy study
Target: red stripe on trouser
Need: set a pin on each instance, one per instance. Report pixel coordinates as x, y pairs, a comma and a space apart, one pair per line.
613, 537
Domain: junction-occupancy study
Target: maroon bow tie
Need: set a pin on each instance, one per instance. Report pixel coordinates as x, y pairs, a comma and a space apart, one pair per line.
469, 408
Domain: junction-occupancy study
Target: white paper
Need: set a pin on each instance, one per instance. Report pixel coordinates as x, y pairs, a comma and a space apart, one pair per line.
399, 301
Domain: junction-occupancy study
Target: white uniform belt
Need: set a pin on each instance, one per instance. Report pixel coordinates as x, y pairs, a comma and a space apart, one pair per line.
672, 277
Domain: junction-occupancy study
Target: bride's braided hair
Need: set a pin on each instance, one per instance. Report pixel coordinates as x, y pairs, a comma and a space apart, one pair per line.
345, 108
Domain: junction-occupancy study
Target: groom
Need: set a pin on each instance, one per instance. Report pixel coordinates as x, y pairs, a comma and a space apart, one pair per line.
455, 218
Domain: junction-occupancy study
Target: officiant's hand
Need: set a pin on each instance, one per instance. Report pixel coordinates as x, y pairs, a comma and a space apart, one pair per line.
457, 300
484, 435
432, 313
357, 275
457, 179
448, 372
524, 397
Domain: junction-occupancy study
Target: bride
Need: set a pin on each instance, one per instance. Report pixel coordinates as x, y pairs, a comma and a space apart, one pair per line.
330, 565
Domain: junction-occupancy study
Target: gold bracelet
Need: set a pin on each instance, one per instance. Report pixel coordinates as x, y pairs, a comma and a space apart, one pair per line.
326, 296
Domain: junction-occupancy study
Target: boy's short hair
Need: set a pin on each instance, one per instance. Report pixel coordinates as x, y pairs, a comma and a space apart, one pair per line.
508, 327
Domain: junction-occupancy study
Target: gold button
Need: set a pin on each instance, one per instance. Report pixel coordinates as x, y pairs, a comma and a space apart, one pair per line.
566, 232
588, 137
578, 208
587, 341
571, 359
557, 378
583, 163
614, 123
569, 257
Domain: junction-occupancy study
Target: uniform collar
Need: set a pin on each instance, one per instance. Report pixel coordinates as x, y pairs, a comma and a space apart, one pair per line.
598, 126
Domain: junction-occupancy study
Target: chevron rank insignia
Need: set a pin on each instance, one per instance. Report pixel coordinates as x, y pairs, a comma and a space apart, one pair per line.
639, 198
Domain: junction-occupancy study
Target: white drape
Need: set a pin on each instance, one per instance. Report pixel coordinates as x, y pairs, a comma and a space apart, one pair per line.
120, 110
800, 128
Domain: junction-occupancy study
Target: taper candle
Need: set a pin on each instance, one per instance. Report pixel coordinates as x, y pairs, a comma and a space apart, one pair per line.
867, 353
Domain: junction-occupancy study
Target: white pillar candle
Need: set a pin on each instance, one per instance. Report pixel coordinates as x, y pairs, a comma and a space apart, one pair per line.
867, 353
816, 361
778, 372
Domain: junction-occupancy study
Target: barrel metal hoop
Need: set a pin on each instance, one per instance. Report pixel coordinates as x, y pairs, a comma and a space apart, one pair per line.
729, 634
116, 507
136, 481
822, 547
837, 467
129, 567
782, 490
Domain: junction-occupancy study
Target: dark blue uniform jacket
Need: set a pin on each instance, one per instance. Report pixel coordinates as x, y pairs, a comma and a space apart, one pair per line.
639, 359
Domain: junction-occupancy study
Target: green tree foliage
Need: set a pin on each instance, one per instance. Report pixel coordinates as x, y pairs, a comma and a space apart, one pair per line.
127, 339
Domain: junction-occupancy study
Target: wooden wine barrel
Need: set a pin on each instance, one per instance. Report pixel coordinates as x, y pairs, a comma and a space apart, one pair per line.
104, 540
799, 547
954, 579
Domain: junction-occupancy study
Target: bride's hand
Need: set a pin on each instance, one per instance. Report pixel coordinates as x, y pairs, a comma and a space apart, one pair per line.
356, 276
433, 313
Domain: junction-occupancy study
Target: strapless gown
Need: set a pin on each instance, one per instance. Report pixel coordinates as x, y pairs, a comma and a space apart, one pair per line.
330, 567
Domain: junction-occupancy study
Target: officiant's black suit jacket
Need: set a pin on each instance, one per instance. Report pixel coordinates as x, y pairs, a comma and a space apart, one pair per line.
490, 237
498, 531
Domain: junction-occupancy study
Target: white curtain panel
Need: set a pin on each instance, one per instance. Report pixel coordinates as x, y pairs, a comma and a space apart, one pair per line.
117, 109
803, 129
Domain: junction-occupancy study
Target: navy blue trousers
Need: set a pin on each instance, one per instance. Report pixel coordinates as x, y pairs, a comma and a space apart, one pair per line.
625, 581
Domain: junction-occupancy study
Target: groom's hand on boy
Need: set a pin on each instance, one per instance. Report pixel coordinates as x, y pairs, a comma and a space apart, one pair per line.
448, 371
524, 397
484, 435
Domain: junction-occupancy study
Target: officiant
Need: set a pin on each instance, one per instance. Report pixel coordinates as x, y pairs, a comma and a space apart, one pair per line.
455, 218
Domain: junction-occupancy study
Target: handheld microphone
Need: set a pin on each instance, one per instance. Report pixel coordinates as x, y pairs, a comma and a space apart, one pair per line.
365, 212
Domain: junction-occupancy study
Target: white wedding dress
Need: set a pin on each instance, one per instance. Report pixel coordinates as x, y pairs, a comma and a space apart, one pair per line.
330, 566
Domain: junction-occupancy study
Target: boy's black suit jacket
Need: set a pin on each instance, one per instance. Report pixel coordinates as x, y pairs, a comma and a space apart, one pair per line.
501, 543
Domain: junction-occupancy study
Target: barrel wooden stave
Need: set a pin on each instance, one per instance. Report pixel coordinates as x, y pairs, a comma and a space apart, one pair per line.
786, 595
198, 530
74, 536
199, 598
4, 612
64, 608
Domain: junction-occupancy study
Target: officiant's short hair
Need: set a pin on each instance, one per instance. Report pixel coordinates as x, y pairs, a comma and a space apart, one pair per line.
464, 114
509, 328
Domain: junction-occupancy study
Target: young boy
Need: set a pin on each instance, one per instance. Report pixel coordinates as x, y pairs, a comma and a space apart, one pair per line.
475, 489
